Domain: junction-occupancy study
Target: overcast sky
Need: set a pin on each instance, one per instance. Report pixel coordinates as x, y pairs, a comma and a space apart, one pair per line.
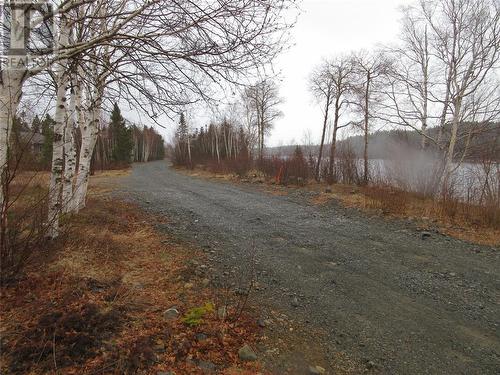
324, 28
327, 28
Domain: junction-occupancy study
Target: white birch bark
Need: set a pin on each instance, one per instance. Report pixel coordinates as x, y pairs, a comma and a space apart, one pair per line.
448, 166
55, 204
10, 96
189, 148
89, 125
217, 144
69, 155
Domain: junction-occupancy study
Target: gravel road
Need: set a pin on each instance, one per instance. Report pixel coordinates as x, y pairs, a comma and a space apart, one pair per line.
370, 289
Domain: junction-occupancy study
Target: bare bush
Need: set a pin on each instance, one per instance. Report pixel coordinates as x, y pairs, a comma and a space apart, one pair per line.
23, 225
346, 167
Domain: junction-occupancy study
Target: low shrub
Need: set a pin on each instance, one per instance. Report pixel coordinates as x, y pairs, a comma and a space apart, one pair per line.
194, 317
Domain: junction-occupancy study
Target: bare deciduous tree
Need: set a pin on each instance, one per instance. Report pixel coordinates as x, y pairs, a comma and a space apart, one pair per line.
330, 84
321, 84
466, 43
370, 69
409, 80
264, 98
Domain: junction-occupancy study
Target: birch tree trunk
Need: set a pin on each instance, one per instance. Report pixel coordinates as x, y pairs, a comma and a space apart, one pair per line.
55, 204
425, 89
69, 156
366, 129
217, 145
325, 122
448, 166
10, 96
89, 124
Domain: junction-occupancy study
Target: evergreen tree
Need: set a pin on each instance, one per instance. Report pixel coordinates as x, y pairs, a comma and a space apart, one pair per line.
122, 143
298, 154
183, 149
47, 126
19, 125
36, 125
182, 130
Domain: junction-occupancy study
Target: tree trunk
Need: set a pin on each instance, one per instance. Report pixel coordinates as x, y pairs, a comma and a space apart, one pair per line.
89, 116
69, 156
89, 125
10, 95
189, 151
448, 166
333, 147
58, 144
366, 129
425, 89
10, 91
217, 145
325, 122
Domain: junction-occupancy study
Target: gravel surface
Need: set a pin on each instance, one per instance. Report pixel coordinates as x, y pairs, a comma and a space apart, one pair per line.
395, 300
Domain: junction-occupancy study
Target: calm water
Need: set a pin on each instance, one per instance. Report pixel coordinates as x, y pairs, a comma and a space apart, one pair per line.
470, 181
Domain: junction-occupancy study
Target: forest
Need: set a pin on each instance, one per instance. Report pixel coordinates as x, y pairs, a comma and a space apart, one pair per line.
428, 105
118, 144
151, 221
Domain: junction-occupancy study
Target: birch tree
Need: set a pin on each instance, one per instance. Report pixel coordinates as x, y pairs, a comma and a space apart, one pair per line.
69, 150
330, 84
466, 43
264, 99
12, 78
157, 55
62, 80
369, 69
409, 81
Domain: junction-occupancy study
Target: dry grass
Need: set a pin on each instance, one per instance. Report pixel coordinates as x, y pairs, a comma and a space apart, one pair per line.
27, 187
277, 193
467, 224
207, 174
93, 302
103, 182
112, 173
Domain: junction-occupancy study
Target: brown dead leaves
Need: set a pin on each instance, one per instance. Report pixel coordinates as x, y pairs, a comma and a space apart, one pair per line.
94, 303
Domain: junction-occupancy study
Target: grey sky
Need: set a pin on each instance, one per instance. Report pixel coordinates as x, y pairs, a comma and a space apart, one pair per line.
326, 28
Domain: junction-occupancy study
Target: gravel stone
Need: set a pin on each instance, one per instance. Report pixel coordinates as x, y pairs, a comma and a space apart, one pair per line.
386, 276
171, 313
246, 353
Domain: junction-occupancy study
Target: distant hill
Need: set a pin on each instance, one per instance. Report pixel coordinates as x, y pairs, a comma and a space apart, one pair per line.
383, 144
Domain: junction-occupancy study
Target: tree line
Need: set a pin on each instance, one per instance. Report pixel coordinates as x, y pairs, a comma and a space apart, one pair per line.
118, 143
238, 134
439, 80
76, 58
440, 75
217, 141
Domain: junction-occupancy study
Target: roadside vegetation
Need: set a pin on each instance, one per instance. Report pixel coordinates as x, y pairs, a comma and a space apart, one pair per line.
89, 283
436, 89
25, 226
86, 305
406, 187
